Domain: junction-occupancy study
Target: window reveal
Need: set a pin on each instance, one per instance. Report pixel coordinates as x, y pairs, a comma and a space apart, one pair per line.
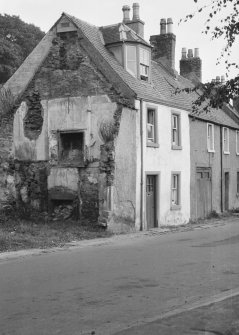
175, 189
71, 147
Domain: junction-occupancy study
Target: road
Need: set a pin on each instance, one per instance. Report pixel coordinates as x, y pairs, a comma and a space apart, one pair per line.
103, 287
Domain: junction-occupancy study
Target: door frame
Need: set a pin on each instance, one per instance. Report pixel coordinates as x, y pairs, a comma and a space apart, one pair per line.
157, 197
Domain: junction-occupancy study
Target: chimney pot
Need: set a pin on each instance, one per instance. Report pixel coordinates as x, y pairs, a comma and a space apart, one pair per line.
196, 52
126, 10
222, 79
136, 11
190, 53
163, 26
213, 81
184, 53
218, 79
170, 25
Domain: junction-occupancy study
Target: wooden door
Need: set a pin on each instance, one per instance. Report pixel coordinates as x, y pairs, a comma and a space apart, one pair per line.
150, 201
203, 193
226, 195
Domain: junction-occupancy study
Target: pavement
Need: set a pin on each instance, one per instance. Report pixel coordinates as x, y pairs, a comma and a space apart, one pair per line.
221, 318
182, 280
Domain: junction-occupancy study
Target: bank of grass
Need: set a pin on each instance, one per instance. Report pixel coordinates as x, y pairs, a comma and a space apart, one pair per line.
19, 234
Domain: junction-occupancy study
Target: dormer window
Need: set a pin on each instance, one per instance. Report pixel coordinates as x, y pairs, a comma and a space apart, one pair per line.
137, 61
144, 64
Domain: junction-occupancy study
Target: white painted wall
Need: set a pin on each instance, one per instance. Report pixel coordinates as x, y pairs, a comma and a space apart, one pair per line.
164, 160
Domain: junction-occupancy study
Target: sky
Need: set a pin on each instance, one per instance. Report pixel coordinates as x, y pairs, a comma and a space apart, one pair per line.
44, 13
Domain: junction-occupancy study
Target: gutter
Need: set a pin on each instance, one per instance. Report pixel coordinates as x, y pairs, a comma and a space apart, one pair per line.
142, 165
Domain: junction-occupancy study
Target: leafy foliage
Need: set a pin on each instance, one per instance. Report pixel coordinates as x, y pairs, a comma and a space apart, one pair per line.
226, 15
17, 40
7, 101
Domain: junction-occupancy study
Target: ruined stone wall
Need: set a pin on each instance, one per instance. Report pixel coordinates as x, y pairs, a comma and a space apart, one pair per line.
66, 94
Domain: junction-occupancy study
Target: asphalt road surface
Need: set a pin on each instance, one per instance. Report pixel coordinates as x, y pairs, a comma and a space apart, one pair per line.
105, 286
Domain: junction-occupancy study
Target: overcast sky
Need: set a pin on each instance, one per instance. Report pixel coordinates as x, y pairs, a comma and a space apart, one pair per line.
44, 13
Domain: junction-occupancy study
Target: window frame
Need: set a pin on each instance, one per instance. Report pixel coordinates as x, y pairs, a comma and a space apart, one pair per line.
143, 64
153, 143
226, 150
176, 206
237, 142
209, 149
178, 144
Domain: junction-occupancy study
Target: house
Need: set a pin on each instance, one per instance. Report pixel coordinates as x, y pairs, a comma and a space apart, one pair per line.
214, 146
98, 128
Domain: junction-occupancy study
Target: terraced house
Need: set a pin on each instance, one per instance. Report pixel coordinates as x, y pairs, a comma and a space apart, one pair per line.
99, 128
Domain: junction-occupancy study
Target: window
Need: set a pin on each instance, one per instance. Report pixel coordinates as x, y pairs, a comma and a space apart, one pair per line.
225, 132
210, 137
237, 142
71, 148
131, 65
144, 64
237, 182
176, 140
151, 126
175, 190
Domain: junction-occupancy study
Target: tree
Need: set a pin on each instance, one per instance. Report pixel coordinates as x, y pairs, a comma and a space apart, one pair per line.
17, 40
227, 28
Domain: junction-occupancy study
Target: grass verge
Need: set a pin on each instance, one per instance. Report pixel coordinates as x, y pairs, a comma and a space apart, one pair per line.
21, 234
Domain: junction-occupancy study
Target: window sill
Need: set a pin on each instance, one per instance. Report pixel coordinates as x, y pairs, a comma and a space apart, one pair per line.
237, 153
211, 151
152, 144
226, 152
176, 147
175, 207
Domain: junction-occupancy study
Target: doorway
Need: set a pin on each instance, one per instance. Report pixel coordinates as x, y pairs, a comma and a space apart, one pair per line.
203, 192
151, 211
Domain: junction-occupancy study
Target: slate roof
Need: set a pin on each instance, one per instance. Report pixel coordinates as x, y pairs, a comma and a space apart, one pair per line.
111, 34
161, 89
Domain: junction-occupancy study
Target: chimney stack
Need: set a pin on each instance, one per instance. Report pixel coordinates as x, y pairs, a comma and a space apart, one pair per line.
163, 26
126, 11
135, 24
135, 11
191, 64
164, 43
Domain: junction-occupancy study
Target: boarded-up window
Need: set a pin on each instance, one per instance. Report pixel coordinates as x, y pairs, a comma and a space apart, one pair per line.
71, 147
131, 63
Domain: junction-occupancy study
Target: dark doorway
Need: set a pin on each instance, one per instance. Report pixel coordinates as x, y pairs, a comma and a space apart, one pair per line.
203, 192
151, 201
226, 196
